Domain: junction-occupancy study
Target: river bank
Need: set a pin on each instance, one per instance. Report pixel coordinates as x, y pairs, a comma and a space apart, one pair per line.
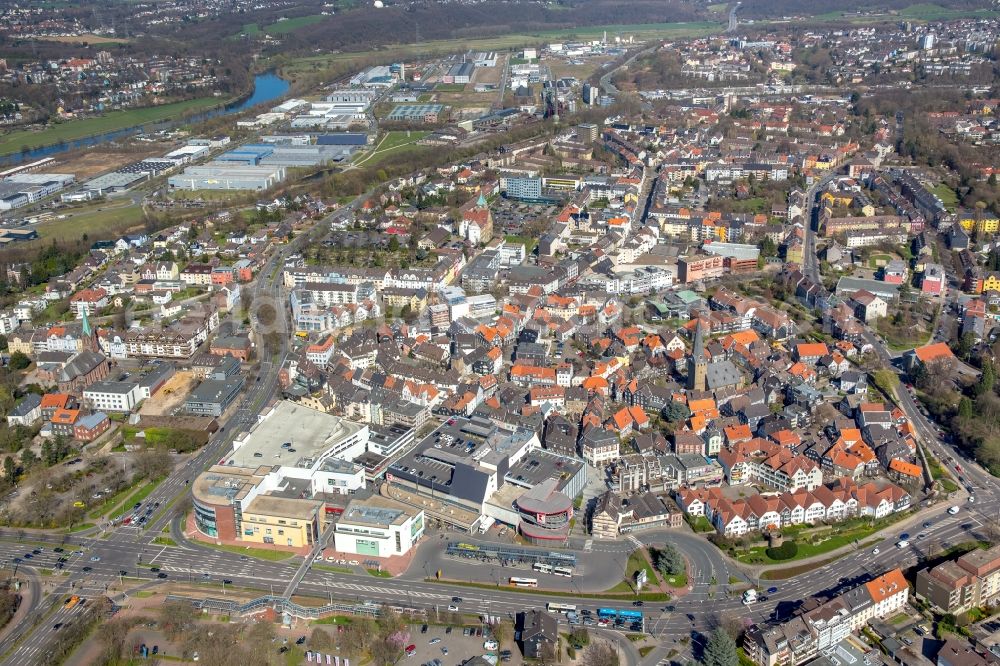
28, 145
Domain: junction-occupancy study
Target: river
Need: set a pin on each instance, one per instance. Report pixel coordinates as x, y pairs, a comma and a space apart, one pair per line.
267, 87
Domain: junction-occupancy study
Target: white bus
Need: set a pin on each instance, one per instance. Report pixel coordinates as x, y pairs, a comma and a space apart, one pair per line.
544, 568
566, 572
560, 608
523, 582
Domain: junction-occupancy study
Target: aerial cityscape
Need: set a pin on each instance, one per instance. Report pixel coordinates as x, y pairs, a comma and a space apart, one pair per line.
456, 333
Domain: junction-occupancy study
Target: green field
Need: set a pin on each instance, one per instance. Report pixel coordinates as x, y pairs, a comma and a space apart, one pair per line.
105, 219
70, 130
947, 196
392, 145
450, 87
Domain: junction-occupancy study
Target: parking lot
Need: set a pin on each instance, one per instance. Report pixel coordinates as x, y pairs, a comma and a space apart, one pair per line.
451, 646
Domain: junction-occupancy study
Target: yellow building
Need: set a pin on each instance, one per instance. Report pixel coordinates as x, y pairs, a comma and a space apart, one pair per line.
832, 199
20, 342
991, 282
400, 297
281, 521
986, 225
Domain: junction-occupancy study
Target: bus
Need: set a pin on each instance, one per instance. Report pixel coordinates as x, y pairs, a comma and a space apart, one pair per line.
560, 608
630, 614
523, 582
544, 568
565, 572
607, 612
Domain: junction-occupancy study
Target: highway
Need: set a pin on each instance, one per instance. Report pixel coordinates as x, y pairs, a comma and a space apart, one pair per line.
733, 22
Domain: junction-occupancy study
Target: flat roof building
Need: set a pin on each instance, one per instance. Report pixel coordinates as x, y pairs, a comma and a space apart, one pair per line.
378, 527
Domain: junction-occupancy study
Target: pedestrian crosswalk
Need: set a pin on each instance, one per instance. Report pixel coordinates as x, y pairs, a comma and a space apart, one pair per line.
634, 540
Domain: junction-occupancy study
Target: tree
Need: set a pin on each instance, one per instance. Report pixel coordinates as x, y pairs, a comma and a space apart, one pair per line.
319, 640
965, 408
10, 469
153, 463
676, 411
600, 653
28, 459
965, 345
986, 379
669, 561
176, 617
720, 650
18, 361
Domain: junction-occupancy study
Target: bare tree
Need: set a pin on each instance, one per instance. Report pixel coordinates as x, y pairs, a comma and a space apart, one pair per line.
600, 654
176, 617
320, 640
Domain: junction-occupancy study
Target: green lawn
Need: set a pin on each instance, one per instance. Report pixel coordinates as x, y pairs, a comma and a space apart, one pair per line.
855, 532
281, 27
529, 243
699, 523
69, 130
399, 138
450, 87
378, 574
947, 196
399, 146
257, 553
164, 541
331, 569
637, 562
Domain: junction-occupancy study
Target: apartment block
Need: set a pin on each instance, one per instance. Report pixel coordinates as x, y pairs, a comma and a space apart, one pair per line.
959, 585
818, 627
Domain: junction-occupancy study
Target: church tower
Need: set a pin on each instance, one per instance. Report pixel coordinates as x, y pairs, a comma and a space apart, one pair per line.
88, 335
697, 366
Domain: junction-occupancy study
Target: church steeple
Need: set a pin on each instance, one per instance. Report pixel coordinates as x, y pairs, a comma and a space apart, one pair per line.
88, 335
697, 367
481, 201
87, 331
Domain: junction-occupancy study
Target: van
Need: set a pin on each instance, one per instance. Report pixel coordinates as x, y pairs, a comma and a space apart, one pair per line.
953, 510
902, 544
